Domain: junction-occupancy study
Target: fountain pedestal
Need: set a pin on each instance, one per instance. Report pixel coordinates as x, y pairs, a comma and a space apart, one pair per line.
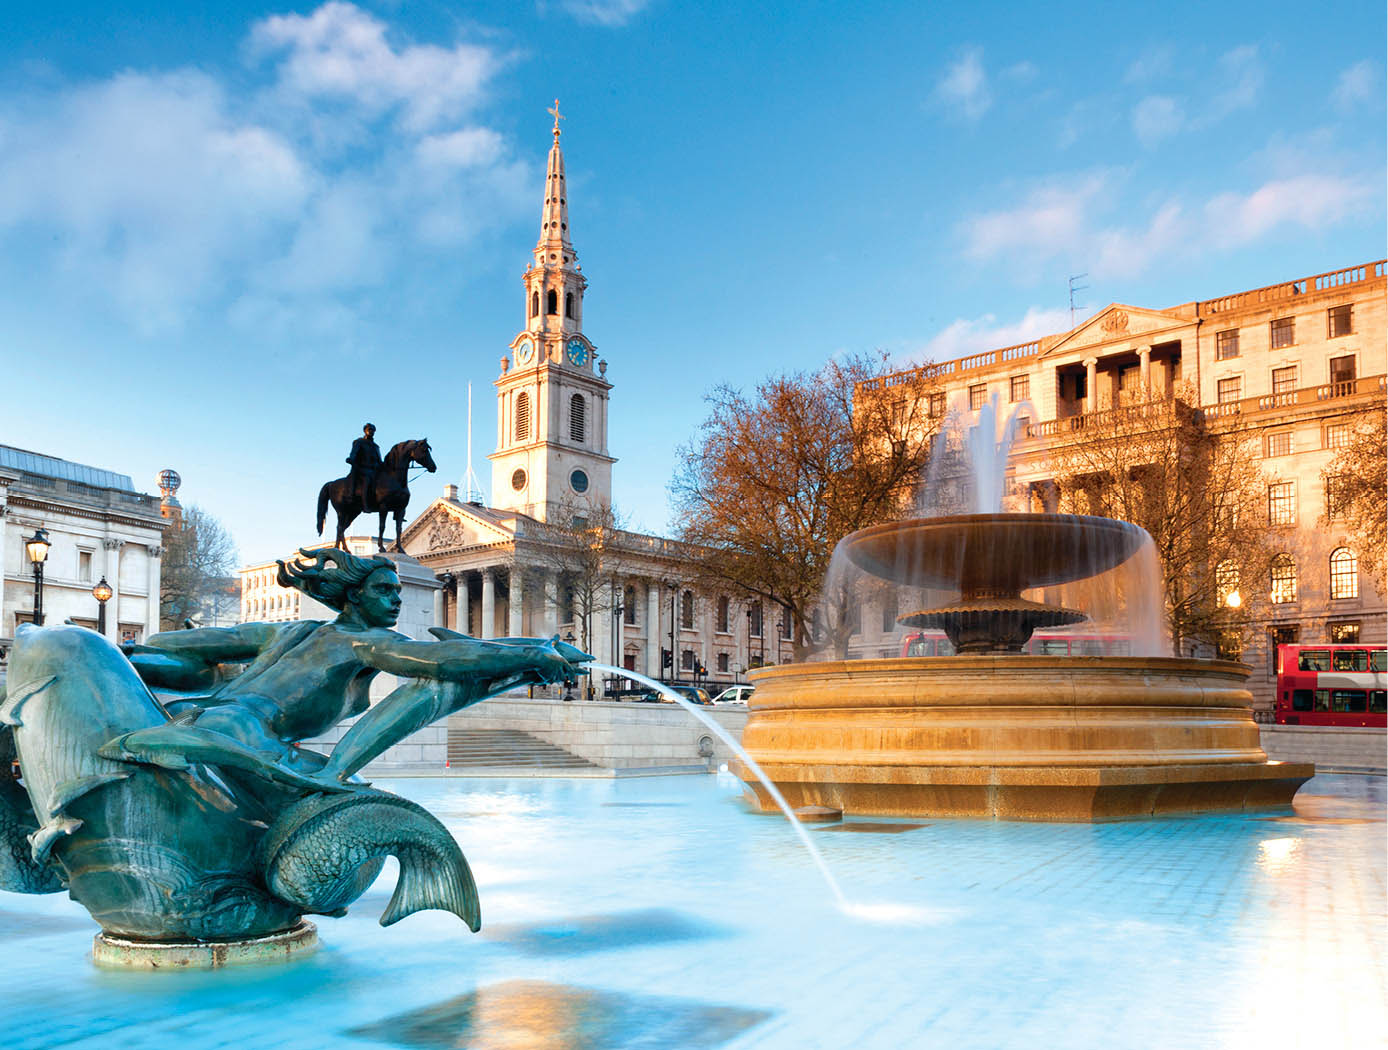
1013, 737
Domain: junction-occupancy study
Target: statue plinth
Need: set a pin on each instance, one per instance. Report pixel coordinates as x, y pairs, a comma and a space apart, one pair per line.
121, 953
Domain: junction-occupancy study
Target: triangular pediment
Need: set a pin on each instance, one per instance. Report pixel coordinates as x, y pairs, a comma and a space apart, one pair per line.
1117, 323
447, 525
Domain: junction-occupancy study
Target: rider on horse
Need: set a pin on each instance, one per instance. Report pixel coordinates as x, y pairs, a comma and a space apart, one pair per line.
365, 459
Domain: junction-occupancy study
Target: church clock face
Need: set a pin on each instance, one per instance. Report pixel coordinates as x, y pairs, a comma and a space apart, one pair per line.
578, 352
525, 353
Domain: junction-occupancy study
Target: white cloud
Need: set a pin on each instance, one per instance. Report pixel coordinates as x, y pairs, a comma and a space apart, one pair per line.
966, 336
1155, 118
1240, 72
610, 13
340, 52
1355, 85
964, 87
1121, 252
1310, 201
1052, 217
465, 148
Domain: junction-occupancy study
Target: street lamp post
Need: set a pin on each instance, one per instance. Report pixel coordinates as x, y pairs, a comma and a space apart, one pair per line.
37, 548
102, 593
617, 611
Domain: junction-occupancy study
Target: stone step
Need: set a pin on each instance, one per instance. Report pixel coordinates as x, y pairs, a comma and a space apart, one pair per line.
479, 748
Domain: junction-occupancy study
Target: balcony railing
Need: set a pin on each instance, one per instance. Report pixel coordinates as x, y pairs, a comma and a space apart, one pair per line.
1292, 289
91, 494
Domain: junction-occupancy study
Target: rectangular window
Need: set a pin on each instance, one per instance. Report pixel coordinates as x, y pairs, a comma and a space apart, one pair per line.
1226, 344
1343, 634
1283, 332
1301, 699
890, 612
937, 406
1021, 388
1340, 321
1350, 659
754, 618
1336, 435
1314, 660
978, 396
1287, 634
1335, 487
723, 625
84, 566
1228, 647
1378, 701
1280, 443
1230, 389
686, 659
1282, 503
1349, 701
723, 663
1342, 371
1284, 380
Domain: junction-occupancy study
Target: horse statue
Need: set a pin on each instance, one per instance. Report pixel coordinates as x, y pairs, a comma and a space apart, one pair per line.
390, 494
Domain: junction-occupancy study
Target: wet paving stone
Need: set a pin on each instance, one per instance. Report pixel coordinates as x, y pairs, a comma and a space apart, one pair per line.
596, 933
871, 828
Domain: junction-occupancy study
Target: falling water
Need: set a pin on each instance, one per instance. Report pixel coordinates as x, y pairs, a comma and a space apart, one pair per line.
873, 912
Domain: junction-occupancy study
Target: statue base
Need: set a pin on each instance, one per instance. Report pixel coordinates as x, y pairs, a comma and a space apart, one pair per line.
119, 953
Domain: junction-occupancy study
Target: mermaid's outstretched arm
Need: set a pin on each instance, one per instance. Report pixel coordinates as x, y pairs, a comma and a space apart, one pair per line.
449, 675
185, 660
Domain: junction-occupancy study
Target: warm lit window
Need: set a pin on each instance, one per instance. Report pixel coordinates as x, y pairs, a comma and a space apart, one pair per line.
1344, 573
1282, 503
1229, 645
1343, 633
1021, 388
1283, 579
1336, 435
1280, 443
1340, 321
1226, 581
978, 396
1226, 344
1284, 380
937, 405
1283, 634
1230, 389
1283, 332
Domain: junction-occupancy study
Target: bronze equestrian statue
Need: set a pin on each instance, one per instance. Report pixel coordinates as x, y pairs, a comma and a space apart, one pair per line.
374, 486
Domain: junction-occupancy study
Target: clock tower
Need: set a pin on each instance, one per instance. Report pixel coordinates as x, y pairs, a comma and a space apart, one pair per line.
551, 451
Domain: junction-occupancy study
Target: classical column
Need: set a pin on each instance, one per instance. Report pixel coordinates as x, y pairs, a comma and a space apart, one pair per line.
488, 604
515, 613
438, 608
152, 607
1091, 375
653, 631
111, 571
1144, 358
549, 603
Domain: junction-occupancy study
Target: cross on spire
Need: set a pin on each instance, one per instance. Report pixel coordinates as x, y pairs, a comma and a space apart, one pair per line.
557, 117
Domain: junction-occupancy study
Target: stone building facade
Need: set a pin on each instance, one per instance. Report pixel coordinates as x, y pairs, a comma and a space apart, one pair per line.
99, 527
1296, 363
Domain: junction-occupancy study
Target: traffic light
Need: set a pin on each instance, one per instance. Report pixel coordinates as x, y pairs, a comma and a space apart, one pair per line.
665, 658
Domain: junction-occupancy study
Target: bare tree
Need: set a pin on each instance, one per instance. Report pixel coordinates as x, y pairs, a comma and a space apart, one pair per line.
579, 543
1198, 489
1356, 485
199, 558
776, 478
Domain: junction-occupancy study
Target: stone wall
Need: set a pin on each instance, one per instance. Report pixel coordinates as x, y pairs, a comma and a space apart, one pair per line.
612, 735
1331, 748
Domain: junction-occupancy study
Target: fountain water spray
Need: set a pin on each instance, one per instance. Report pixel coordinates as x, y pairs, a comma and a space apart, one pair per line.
871, 912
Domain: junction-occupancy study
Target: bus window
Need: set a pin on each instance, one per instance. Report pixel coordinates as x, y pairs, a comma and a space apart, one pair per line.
1301, 699
918, 647
1314, 660
1348, 700
944, 647
1322, 699
1087, 647
1378, 701
1351, 660
1378, 660
1053, 647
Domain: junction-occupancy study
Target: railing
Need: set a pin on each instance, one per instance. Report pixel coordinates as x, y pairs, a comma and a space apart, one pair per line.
1292, 289
986, 359
1364, 385
80, 490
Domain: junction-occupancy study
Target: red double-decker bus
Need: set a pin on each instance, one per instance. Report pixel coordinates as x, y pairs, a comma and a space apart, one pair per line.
1332, 685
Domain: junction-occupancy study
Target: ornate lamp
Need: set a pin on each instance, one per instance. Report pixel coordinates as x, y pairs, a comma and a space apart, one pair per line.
102, 593
36, 546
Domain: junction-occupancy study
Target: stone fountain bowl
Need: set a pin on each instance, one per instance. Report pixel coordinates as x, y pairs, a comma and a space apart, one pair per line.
997, 555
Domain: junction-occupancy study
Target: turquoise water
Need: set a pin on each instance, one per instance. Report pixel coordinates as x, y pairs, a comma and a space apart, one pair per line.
659, 912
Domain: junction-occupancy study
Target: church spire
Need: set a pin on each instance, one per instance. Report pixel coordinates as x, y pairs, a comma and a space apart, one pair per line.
554, 225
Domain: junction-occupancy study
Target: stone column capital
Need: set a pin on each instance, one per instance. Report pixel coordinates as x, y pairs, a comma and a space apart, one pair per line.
113, 544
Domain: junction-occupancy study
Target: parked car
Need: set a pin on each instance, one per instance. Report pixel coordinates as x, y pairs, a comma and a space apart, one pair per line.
734, 696
692, 693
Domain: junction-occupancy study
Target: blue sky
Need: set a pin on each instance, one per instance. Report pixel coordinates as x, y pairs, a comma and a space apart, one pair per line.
231, 233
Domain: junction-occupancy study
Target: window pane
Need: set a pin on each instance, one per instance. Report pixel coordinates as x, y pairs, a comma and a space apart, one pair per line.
1336, 435
1226, 344
1344, 572
1284, 380
978, 396
1339, 322
1342, 369
1344, 633
1280, 443
1301, 699
1230, 389
1282, 503
1283, 332
1378, 701
1314, 660
1021, 388
1378, 660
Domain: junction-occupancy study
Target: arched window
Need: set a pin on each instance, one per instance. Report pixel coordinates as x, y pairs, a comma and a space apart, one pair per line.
578, 418
523, 416
1283, 579
568, 304
552, 303
534, 304
1226, 581
687, 610
1344, 573
629, 606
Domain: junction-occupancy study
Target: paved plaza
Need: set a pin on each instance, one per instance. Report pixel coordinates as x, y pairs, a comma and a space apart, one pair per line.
661, 913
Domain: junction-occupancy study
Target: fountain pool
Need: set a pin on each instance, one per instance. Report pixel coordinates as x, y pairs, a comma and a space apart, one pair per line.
661, 912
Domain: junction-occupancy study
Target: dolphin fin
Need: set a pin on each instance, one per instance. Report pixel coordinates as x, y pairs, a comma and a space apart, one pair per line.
43, 840
443, 634
17, 694
71, 790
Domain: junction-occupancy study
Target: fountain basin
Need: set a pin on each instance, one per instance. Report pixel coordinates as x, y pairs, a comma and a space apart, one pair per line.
1016, 737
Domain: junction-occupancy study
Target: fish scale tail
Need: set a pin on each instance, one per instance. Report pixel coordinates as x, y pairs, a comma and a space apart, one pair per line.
431, 881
